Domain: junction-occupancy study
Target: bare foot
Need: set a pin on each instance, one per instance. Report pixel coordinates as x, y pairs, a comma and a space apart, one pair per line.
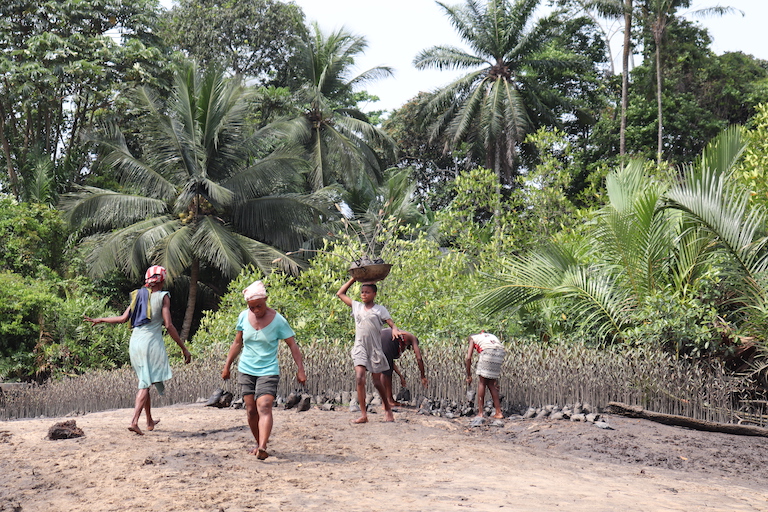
388, 416
361, 419
395, 403
498, 416
151, 425
260, 453
136, 429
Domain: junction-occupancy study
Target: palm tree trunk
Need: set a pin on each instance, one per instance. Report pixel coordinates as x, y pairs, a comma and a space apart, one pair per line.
194, 276
625, 76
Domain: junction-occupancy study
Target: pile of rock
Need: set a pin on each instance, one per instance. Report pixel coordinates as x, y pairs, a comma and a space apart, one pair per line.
571, 412
446, 408
302, 400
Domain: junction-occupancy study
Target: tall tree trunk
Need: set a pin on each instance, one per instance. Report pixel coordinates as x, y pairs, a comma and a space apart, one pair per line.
658, 101
13, 178
659, 25
194, 276
625, 76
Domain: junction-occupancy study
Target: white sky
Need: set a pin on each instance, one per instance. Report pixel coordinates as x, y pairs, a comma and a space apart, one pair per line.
397, 30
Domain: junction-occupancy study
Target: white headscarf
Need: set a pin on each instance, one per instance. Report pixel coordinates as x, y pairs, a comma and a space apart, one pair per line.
255, 290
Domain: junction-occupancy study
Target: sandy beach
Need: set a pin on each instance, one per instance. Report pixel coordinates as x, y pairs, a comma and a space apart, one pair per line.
197, 460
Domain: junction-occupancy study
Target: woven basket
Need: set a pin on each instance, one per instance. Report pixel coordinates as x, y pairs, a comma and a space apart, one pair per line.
370, 273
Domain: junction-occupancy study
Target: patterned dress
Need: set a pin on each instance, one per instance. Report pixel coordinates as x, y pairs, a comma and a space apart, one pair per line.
491, 355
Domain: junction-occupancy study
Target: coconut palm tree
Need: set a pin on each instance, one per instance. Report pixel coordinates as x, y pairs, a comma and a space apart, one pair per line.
338, 139
196, 202
500, 99
651, 237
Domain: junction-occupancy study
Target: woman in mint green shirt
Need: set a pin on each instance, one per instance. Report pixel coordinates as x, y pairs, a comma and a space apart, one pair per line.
259, 331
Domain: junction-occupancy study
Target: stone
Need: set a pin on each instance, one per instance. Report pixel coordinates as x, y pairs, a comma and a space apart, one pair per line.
477, 421
592, 417
65, 430
578, 417
530, 413
603, 425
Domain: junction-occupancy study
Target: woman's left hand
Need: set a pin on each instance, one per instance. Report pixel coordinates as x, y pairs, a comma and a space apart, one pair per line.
187, 355
301, 376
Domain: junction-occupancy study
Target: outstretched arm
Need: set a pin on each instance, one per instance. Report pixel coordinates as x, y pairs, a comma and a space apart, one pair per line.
301, 376
342, 293
110, 319
172, 332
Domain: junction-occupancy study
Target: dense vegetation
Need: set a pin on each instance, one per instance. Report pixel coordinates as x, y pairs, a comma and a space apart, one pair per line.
537, 196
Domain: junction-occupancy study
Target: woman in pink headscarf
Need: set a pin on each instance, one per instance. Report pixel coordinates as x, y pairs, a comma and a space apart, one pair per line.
149, 311
259, 331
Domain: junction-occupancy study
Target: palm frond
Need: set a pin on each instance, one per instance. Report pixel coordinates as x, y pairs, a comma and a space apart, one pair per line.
267, 258
284, 221
216, 244
100, 209
601, 306
446, 58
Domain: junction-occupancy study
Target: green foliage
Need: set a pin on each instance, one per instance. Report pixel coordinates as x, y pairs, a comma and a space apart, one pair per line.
658, 248
752, 170
61, 71
23, 306
433, 170
427, 293
254, 38
33, 237
197, 202
522, 74
43, 334
687, 327
478, 216
74, 346
547, 206
339, 141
